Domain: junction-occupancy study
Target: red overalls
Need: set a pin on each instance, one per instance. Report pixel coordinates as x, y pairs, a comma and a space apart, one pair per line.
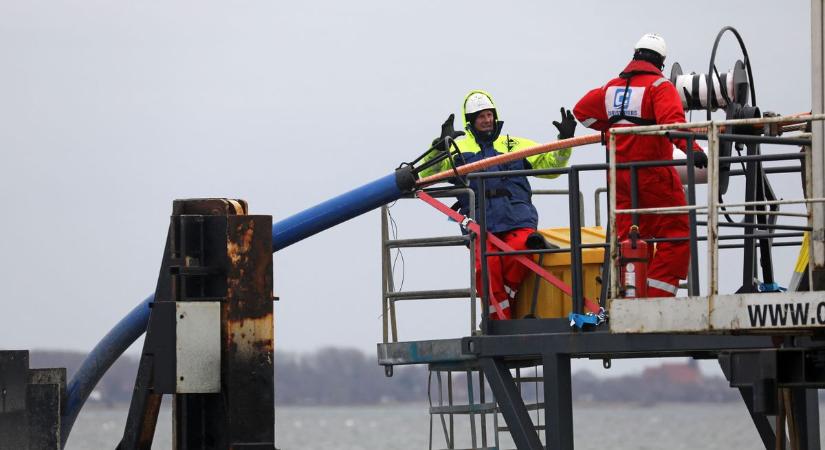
642, 95
505, 272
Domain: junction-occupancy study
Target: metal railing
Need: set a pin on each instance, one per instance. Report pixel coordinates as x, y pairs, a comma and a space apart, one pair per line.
754, 229
711, 130
390, 296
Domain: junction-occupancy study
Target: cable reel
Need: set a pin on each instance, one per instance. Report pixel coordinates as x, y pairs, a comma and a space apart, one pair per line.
734, 92
728, 88
730, 91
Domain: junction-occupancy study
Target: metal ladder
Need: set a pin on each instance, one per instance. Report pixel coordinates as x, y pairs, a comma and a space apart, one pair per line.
478, 410
390, 295
450, 385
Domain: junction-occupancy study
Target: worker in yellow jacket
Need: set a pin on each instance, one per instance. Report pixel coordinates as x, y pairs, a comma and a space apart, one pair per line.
510, 213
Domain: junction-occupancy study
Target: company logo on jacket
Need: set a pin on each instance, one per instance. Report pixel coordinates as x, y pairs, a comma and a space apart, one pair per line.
631, 98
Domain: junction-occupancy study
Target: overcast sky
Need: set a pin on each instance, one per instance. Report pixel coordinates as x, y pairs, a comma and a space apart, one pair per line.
111, 110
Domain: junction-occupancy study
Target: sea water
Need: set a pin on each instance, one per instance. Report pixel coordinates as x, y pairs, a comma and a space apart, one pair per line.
407, 426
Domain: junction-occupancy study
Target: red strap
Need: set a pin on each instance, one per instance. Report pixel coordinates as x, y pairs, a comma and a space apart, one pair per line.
501, 245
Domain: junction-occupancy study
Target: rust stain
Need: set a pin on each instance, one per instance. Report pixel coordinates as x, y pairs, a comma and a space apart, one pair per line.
256, 336
238, 251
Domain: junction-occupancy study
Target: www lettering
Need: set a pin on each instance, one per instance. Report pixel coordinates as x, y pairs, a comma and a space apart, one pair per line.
783, 314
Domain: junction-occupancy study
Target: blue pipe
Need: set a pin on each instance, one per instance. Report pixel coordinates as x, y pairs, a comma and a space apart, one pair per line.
334, 211
284, 233
105, 353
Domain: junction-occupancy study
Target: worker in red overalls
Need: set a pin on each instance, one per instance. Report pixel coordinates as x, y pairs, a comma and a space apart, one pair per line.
641, 95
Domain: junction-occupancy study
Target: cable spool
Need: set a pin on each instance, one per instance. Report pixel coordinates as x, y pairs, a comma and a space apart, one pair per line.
728, 88
731, 91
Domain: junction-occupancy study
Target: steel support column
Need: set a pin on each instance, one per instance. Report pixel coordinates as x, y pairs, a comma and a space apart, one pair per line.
817, 174
558, 401
806, 412
575, 244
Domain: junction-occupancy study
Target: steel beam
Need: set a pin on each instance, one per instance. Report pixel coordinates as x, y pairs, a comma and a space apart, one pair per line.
510, 402
817, 174
421, 352
765, 426
806, 412
617, 345
139, 431
558, 401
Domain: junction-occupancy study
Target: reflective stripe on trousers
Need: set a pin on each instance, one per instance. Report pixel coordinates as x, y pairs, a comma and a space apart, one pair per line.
662, 286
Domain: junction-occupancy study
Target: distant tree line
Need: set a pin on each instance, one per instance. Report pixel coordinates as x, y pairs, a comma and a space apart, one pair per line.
331, 376
650, 390
338, 376
335, 376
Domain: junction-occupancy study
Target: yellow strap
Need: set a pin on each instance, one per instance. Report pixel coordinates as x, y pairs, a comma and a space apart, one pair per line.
802, 260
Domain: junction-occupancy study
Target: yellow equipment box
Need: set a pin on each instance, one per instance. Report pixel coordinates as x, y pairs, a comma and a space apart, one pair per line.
551, 301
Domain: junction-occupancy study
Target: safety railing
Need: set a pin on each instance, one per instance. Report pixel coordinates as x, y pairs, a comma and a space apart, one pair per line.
576, 221
754, 212
391, 296
755, 230
760, 225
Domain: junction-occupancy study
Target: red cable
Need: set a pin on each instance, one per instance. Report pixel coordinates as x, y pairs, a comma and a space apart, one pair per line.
501, 245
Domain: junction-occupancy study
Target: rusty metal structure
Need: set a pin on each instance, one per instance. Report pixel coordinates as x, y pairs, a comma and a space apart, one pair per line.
209, 344
209, 328
210, 334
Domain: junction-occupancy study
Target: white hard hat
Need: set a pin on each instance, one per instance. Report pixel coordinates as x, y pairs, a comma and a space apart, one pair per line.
653, 42
477, 102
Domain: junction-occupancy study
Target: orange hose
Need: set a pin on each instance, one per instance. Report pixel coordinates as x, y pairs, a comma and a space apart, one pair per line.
530, 151
512, 156
723, 128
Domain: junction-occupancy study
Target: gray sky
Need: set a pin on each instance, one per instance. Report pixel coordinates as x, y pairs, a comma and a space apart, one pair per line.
110, 110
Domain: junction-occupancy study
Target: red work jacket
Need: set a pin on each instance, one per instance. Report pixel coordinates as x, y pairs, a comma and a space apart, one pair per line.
649, 98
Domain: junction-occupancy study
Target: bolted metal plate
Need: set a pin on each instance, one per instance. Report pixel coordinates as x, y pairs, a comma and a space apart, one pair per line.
198, 347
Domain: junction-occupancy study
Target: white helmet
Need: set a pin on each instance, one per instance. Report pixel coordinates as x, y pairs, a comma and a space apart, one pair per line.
653, 42
477, 102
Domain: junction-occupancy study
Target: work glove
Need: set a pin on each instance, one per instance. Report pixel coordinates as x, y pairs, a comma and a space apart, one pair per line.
567, 127
447, 131
700, 159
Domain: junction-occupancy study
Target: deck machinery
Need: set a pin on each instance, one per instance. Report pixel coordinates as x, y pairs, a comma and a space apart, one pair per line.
769, 342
